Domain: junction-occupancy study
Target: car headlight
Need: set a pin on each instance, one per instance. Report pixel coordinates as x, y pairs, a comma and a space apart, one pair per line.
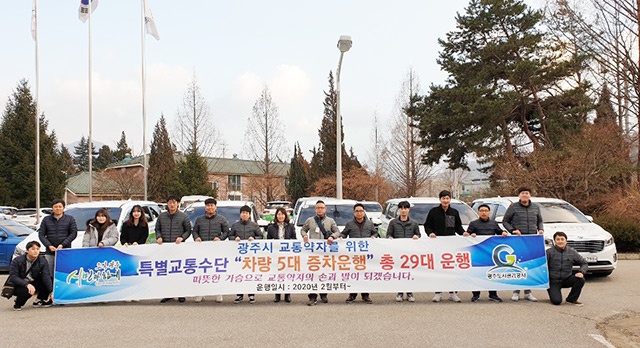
608, 242
18, 252
548, 242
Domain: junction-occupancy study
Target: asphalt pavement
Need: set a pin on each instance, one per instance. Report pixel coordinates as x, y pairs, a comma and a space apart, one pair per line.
385, 323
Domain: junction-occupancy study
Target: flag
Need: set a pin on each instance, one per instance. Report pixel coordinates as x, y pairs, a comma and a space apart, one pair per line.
83, 11
34, 21
149, 22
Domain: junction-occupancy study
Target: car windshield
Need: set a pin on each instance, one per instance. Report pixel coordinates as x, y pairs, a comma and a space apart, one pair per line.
561, 213
26, 212
372, 207
340, 213
419, 212
16, 228
232, 214
84, 215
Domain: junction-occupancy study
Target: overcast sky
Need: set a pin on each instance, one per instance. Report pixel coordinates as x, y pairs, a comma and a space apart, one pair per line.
234, 48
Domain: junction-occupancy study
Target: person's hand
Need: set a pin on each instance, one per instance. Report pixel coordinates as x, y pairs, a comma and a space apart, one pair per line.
59, 247
579, 275
473, 235
415, 236
250, 239
389, 237
517, 232
330, 240
198, 240
465, 234
135, 243
505, 233
125, 244
216, 239
52, 248
372, 236
100, 245
305, 239
31, 289
159, 240
432, 235
540, 232
238, 239
179, 240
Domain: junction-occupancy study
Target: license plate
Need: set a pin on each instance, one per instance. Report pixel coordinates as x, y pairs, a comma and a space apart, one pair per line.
591, 258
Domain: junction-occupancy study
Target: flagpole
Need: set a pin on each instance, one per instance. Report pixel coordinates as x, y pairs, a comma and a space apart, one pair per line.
144, 110
90, 111
35, 14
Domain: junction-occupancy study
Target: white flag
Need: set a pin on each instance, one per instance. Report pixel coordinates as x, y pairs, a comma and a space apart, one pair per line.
149, 22
83, 11
34, 21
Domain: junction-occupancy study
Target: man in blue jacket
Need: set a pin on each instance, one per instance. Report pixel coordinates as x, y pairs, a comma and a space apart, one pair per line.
57, 231
29, 274
560, 260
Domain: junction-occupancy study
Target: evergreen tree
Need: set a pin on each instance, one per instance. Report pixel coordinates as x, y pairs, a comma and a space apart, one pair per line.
122, 149
193, 176
298, 185
604, 109
105, 158
17, 139
67, 161
162, 168
81, 154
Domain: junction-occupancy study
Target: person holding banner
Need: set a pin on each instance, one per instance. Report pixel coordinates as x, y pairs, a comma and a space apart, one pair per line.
135, 230
210, 227
484, 227
521, 218
444, 220
359, 227
319, 227
101, 231
280, 228
57, 231
403, 227
560, 260
29, 274
245, 229
172, 226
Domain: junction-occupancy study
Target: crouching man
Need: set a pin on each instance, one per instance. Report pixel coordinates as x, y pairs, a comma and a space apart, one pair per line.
29, 274
560, 260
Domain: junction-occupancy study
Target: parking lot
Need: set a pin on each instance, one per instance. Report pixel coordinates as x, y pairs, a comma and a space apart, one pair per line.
384, 323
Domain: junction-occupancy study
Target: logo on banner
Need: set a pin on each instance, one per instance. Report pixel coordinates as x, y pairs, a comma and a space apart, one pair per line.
504, 260
104, 274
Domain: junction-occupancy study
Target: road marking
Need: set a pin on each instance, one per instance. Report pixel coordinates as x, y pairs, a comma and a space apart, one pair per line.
602, 340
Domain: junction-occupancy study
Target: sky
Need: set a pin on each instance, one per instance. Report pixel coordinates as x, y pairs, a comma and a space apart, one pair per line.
234, 48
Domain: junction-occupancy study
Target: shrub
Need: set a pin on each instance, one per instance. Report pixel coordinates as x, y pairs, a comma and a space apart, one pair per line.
625, 231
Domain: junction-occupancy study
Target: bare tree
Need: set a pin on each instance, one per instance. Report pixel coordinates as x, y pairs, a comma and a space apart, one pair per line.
265, 144
194, 124
377, 156
453, 180
404, 167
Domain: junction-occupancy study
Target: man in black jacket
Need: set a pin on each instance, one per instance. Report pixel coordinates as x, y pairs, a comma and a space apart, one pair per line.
403, 227
359, 227
29, 274
560, 260
245, 229
444, 221
57, 231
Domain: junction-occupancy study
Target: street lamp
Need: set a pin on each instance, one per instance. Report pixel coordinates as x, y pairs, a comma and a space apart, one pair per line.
344, 44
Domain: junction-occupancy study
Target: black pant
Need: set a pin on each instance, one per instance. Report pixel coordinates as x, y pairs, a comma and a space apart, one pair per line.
315, 296
22, 293
555, 289
491, 293
364, 295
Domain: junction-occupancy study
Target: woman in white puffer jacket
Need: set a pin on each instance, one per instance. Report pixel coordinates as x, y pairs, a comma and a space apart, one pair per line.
101, 231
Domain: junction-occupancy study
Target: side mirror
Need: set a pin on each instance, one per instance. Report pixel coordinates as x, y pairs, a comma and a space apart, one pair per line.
589, 217
499, 219
3, 235
376, 222
263, 223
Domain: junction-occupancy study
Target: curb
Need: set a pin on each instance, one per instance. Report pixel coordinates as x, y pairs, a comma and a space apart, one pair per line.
629, 256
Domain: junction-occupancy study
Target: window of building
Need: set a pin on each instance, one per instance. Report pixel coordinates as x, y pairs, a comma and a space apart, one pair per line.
235, 183
234, 197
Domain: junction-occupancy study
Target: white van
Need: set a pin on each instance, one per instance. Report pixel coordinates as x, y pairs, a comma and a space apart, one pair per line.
188, 200
592, 241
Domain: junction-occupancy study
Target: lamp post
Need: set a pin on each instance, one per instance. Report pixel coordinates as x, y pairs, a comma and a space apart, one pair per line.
344, 44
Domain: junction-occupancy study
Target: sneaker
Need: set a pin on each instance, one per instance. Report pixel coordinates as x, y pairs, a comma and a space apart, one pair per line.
475, 298
515, 296
38, 303
350, 299
576, 303
367, 300
437, 298
495, 299
252, 299
219, 299
399, 297
167, 299
410, 297
17, 308
238, 299
454, 297
529, 297
277, 298
181, 299
287, 298
324, 299
198, 299
312, 302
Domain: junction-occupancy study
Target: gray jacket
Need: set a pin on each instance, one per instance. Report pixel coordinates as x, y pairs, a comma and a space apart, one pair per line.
109, 238
208, 228
244, 230
170, 227
527, 219
355, 230
402, 229
311, 229
560, 263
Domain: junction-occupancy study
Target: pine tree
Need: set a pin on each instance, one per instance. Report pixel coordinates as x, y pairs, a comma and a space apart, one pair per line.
67, 161
298, 185
17, 139
162, 167
105, 157
193, 176
81, 154
122, 149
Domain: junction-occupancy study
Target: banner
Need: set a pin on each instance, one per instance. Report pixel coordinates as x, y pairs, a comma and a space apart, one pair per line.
291, 266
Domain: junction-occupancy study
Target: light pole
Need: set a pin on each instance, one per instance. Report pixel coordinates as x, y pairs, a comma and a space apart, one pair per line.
344, 44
